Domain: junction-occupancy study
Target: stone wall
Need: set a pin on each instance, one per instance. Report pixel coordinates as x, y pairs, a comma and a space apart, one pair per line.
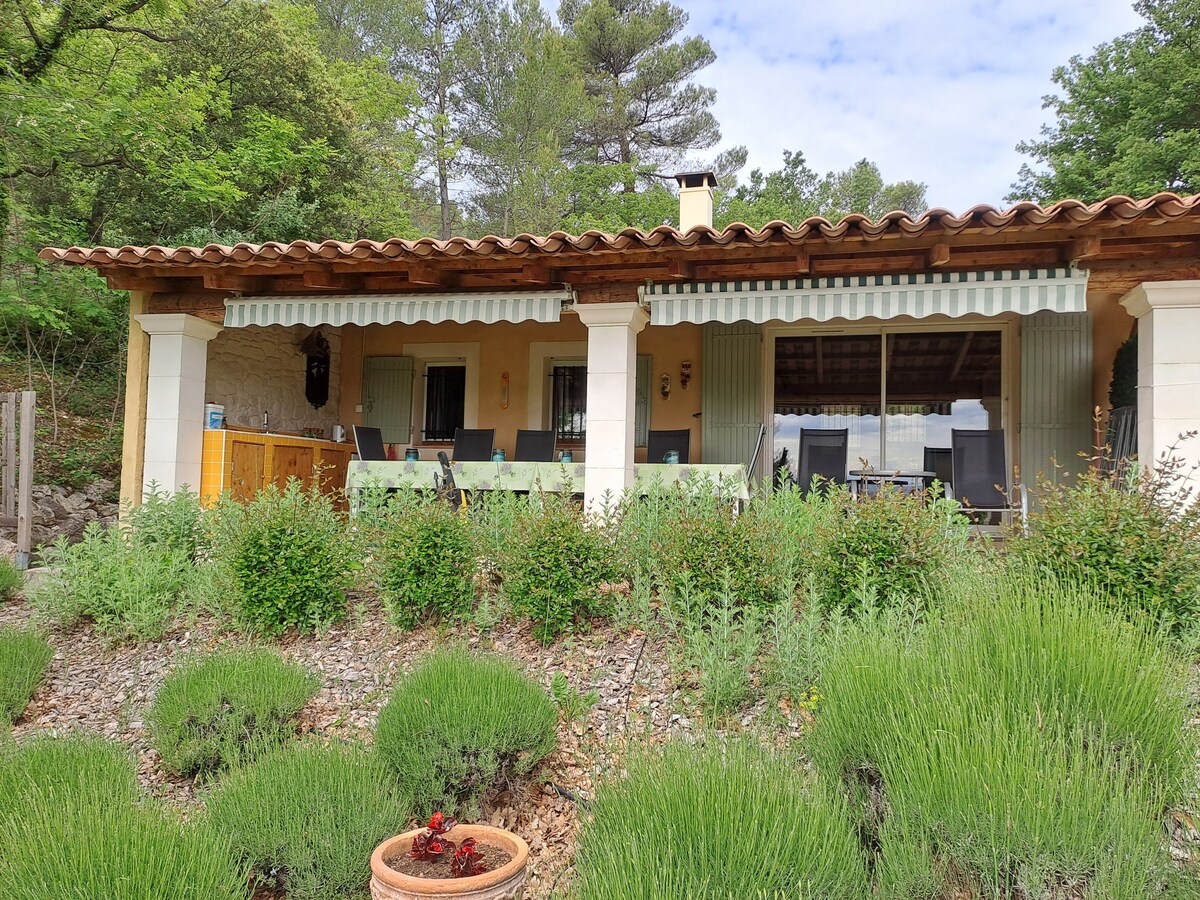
254, 369
61, 512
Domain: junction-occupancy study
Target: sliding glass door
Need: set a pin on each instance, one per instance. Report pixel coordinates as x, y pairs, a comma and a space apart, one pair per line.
898, 393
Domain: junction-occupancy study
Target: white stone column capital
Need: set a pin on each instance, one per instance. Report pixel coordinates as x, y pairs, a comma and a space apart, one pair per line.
1161, 295
179, 323
629, 313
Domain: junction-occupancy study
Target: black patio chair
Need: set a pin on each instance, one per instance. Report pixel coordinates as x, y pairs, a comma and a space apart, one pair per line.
473, 444
823, 453
534, 446
659, 442
369, 443
980, 476
939, 461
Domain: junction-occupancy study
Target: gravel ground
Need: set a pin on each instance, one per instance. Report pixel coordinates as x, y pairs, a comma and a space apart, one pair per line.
106, 687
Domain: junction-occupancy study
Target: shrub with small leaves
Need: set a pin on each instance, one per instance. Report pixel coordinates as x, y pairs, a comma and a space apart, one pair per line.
424, 564
24, 656
290, 556
461, 724
172, 521
554, 564
11, 579
306, 818
226, 708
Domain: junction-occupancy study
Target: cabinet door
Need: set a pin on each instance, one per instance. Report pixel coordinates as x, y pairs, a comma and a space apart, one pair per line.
291, 462
247, 465
334, 464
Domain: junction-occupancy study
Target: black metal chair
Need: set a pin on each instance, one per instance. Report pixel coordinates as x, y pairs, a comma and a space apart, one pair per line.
369, 443
940, 461
980, 475
473, 444
659, 442
534, 446
823, 454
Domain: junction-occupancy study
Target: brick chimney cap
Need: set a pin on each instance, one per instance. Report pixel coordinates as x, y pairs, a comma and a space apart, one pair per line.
705, 178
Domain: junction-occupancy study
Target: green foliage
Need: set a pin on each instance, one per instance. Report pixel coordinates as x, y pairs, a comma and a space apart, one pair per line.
12, 579
127, 588
553, 565
1122, 390
894, 547
307, 818
424, 565
170, 521
797, 645
720, 643
71, 825
1137, 537
24, 656
226, 708
572, 703
460, 725
1124, 118
291, 558
1031, 739
709, 821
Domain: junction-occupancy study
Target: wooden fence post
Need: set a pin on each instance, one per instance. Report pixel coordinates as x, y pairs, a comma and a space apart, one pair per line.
8, 454
25, 481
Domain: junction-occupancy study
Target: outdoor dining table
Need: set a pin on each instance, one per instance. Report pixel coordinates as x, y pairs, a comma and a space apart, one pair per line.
554, 477
861, 479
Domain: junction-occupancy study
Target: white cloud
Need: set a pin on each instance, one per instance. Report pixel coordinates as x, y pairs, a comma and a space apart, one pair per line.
938, 91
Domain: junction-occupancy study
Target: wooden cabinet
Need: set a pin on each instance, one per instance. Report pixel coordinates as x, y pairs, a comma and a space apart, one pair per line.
244, 462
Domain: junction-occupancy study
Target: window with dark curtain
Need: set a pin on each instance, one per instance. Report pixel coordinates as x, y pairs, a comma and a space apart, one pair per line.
445, 399
569, 408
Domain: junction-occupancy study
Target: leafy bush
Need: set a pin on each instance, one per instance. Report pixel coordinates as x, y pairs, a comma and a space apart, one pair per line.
553, 565
710, 821
1136, 537
1028, 743
894, 547
129, 589
291, 558
24, 656
226, 708
307, 818
689, 539
720, 643
425, 561
11, 578
461, 724
71, 825
171, 521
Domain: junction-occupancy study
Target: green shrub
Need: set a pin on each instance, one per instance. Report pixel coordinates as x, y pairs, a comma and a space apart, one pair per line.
11, 578
1136, 537
425, 561
461, 724
720, 643
307, 818
171, 521
689, 539
224, 709
127, 588
72, 825
24, 656
711, 821
893, 547
553, 565
1031, 740
291, 558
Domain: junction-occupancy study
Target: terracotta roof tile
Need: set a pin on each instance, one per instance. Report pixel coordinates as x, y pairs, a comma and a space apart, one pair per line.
1114, 210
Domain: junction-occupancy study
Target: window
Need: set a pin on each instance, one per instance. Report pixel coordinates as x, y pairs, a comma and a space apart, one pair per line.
445, 400
568, 399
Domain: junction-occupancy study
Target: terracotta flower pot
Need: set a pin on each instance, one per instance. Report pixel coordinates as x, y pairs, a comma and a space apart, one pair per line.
504, 883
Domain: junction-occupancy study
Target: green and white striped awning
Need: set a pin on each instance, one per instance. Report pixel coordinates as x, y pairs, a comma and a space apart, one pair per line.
1021, 291
384, 309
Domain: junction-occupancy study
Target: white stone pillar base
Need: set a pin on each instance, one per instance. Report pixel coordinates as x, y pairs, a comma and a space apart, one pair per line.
175, 398
1168, 314
611, 399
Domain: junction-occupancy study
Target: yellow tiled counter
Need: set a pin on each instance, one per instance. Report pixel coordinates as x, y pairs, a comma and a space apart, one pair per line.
244, 462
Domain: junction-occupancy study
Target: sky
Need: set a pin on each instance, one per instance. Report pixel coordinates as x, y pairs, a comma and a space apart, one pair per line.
936, 91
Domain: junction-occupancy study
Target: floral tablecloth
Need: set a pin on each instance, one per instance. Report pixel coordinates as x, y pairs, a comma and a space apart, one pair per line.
729, 481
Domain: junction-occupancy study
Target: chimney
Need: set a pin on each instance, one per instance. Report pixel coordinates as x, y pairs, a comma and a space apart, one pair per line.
695, 199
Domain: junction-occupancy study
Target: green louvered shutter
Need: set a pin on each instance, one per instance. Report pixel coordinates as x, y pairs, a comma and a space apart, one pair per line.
1056, 393
731, 397
387, 394
641, 414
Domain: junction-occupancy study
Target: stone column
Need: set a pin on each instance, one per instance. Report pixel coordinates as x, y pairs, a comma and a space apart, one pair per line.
175, 398
1168, 314
611, 381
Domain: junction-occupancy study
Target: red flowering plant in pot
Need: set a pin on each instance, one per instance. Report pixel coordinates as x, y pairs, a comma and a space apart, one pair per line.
448, 860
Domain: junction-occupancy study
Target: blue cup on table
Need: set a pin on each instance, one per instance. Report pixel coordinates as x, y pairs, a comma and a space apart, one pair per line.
671, 457
565, 456
498, 455
412, 455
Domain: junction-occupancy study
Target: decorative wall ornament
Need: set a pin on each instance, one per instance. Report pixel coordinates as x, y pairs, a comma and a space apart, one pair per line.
316, 371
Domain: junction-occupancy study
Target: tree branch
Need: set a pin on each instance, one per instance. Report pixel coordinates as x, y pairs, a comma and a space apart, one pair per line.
145, 32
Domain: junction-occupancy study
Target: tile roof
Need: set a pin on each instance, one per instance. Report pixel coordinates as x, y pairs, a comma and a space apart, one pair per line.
1113, 211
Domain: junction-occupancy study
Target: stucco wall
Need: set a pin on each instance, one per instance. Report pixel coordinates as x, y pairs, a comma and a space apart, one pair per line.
254, 369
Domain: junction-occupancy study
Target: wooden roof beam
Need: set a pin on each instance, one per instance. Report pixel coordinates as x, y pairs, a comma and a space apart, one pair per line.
325, 277
1081, 248
120, 281
938, 256
238, 284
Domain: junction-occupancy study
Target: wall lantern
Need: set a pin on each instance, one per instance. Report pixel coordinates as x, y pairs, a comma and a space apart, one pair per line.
664, 389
